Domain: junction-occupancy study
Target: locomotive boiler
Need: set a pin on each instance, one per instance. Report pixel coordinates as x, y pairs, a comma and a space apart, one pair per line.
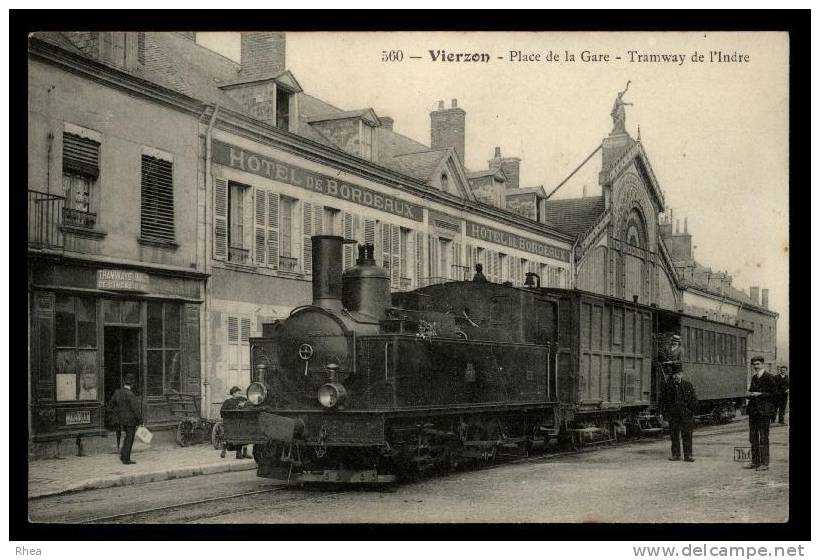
363, 385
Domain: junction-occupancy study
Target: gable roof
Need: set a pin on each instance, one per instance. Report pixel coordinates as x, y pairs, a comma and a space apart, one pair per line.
486, 173
512, 191
367, 115
574, 216
419, 165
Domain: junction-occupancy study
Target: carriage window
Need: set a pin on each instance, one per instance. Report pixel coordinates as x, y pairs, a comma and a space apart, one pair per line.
76, 348
163, 357
685, 344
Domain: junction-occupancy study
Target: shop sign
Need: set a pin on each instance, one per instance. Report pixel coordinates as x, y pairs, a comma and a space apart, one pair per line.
122, 280
251, 162
73, 417
485, 233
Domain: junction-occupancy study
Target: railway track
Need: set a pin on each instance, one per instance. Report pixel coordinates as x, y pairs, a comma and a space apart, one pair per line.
197, 510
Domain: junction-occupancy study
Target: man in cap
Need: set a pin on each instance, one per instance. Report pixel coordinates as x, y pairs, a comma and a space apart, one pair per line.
761, 408
678, 404
670, 356
127, 409
782, 379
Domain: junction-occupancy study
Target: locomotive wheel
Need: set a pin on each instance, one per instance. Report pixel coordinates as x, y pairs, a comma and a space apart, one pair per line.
217, 435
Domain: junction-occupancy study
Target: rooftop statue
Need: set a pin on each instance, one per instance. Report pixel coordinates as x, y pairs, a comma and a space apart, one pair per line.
619, 112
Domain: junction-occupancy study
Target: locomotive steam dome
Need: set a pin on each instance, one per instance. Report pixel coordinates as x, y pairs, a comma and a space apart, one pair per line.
366, 286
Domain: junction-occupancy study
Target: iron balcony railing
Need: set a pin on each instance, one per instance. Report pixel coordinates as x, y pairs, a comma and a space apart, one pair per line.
239, 255
45, 214
78, 218
288, 264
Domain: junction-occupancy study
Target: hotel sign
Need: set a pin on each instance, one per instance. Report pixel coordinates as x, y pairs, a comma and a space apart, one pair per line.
251, 162
485, 233
122, 280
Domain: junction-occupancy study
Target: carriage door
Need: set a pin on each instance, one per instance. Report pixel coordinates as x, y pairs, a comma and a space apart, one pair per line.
545, 333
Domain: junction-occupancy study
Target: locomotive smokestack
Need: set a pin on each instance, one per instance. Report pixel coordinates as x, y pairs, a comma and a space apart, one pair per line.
327, 271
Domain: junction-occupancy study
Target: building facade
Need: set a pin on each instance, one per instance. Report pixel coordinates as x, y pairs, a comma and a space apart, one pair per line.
115, 270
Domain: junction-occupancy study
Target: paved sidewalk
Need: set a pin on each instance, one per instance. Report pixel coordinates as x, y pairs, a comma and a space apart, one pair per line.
49, 477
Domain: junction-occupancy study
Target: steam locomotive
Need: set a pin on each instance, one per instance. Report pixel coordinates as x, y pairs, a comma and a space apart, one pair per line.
364, 386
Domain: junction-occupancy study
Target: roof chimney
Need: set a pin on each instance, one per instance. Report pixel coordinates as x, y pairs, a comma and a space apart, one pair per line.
685, 225
764, 297
754, 292
511, 166
387, 122
262, 53
447, 128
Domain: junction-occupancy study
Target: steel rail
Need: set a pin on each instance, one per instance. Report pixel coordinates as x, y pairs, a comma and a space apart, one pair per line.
180, 505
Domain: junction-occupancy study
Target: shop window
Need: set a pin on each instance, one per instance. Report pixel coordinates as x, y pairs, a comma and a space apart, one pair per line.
163, 356
157, 200
75, 348
80, 172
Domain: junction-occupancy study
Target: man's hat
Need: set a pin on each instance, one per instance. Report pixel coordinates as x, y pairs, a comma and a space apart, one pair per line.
675, 338
128, 379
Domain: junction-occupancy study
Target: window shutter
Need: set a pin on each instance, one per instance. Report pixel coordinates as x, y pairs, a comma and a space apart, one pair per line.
233, 330
81, 154
318, 217
410, 257
244, 330
157, 208
432, 256
369, 231
220, 218
458, 274
395, 255
377, 242
347, 222
419, 258
259, 229
307, 248
273, 230
385, 246
497, 266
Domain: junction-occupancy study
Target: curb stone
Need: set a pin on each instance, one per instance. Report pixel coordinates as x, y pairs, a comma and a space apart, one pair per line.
128, 480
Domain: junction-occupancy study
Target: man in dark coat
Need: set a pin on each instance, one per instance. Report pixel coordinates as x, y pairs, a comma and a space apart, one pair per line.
678, 405
126, 407
762, 407
782, 379
479, 273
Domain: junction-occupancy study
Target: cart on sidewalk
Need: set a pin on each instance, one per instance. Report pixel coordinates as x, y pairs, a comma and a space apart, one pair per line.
192, 427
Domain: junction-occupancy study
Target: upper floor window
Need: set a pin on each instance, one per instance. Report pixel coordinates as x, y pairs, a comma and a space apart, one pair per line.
283, 108
331, 222
157, 200
366, 141
445, 182
80, 173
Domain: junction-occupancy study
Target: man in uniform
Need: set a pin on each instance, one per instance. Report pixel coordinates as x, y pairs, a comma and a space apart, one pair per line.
761, 408
126, 407
678, 405
782, 379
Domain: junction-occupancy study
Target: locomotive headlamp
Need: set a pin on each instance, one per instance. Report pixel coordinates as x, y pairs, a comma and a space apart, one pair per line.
332, 394
256, 393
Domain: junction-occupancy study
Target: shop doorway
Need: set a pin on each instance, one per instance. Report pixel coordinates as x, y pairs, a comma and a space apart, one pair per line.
122, 357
